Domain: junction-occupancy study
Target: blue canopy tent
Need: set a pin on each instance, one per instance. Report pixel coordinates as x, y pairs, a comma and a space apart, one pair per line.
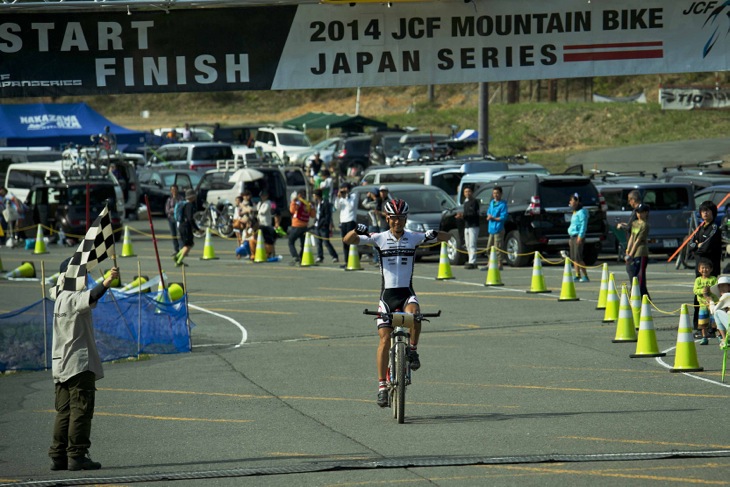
58, 124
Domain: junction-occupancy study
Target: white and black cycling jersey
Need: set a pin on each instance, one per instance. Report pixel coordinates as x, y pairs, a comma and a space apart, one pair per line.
397, 256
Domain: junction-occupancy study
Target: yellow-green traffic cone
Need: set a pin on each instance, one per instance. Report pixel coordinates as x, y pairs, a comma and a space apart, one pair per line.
353, 259
625, 331
635, 301
208, 250
444, 270
307, 257
611, 313
567, 290
127, 250
260, 254
646, 344
494, 277
685, 359
40, 244
603, 291
538, 280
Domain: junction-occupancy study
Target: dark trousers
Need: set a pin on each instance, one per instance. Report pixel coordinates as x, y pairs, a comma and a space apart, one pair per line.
74, 410
173, 232
637, 268
344, 230
296, 233
324, 235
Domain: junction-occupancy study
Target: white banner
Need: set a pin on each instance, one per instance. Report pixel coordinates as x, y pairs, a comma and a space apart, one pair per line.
499, 40
691, 98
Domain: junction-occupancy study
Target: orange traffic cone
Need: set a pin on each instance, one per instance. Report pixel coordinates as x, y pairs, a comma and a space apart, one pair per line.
685, 359
603, 291
611, 313
625, 331
444, 270
494, 277
567, 291
353, 259
538, 280
208, 250
646, 345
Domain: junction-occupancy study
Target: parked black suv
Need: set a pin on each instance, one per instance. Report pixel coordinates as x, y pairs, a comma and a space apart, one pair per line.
353, 155
62, 206
539, 216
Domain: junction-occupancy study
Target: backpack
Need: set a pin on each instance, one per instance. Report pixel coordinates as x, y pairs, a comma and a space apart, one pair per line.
179, 211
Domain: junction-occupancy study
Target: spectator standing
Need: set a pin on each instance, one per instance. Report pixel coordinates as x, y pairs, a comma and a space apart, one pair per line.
496, 216
76, 368
12, 212
264, 209
326, 185
187, 134
707, 244
174, 198
577, 232
374, 204
346, 204
301, 211
315, 166
470, 216
637, 249
186, 227
634, 199
323, 227
108, 140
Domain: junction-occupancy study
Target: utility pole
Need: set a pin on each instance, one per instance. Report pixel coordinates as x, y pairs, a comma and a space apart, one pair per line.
483, 118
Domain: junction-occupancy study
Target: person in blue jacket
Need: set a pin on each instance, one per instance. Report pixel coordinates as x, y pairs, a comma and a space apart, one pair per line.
496, 216
577, 233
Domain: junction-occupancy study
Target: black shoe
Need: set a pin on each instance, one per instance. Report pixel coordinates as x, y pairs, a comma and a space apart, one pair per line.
59, 463
383, 398
413, 359
83, 463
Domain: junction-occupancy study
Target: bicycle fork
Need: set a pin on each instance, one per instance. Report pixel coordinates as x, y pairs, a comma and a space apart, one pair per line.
398, 335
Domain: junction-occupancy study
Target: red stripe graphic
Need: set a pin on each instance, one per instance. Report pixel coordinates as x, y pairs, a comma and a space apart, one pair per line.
613, 51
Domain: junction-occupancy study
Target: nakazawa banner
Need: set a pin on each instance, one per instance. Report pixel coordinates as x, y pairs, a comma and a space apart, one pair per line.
337, 46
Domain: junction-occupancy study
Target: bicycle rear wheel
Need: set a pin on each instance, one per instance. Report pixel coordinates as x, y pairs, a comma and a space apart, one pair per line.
400, 382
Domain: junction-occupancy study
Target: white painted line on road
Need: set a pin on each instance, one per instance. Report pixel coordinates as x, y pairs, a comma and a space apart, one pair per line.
667, 366
244, 333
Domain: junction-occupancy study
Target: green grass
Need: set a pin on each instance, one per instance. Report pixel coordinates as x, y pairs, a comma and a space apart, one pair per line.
547, 132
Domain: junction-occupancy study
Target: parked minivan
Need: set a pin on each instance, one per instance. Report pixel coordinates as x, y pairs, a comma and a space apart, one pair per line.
196, 156
671, 205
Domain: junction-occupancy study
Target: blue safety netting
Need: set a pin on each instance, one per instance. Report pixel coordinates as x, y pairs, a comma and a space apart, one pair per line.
125, 325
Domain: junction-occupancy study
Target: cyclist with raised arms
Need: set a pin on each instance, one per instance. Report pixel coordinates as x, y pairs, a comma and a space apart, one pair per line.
397, 250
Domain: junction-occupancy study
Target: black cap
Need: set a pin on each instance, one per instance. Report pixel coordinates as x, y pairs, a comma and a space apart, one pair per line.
642, 207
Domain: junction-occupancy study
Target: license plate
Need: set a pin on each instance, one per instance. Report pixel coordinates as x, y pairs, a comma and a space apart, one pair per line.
670, 243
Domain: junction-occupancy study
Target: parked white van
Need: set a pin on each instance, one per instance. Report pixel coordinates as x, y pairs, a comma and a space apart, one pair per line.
445, 175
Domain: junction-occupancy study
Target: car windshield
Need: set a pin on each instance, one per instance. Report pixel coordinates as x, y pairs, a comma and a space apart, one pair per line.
424, 201
212, 153
391, 145
298, 140
76, 195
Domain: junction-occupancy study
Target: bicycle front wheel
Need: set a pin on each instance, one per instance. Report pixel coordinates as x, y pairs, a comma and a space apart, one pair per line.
400, 382
202, 220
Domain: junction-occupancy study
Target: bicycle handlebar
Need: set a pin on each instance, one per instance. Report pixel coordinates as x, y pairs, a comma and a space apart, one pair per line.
418, 316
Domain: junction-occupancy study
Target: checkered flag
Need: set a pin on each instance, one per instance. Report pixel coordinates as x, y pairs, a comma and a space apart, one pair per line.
98, 244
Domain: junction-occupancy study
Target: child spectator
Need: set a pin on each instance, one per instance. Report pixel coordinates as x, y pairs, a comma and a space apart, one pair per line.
637, 250
719, 308
702, 287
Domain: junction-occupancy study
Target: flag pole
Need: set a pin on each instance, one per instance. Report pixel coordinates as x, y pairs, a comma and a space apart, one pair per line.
154, 240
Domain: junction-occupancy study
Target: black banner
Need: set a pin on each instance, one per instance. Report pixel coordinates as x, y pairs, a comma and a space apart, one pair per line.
145, 52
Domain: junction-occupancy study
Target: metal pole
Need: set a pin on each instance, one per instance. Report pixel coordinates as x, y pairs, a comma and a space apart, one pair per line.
154, 241
484, 118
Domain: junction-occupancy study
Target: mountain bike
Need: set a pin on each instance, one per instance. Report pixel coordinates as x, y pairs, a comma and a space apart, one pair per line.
216, 217
399, 367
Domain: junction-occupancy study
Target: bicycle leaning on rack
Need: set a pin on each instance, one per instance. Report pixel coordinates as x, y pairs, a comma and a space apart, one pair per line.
399, 367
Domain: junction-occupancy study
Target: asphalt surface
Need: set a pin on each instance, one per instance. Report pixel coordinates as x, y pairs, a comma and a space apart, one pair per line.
515, 388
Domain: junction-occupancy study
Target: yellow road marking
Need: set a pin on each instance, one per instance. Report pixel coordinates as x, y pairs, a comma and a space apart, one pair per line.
644, 442
576, 389
252, 311
315, 336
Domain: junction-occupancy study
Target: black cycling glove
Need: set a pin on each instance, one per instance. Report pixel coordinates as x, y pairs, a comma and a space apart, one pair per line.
432, 235
361, 229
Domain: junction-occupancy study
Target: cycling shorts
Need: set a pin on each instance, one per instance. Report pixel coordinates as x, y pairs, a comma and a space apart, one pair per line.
395, 299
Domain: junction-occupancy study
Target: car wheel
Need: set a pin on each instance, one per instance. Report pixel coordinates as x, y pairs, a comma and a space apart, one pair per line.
515, 250
455, 250
590, 254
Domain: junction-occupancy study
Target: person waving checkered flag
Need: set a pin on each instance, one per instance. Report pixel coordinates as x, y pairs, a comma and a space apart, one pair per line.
98, 244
